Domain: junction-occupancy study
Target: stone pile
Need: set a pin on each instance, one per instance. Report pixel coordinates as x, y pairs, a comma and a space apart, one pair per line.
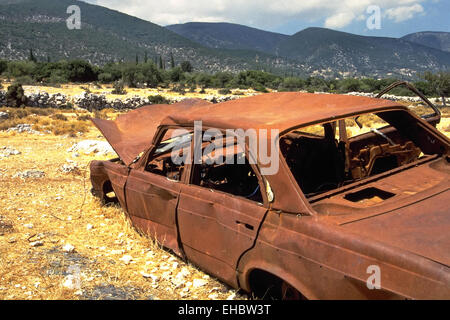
44, 100
23, 128
4, 116
93, 102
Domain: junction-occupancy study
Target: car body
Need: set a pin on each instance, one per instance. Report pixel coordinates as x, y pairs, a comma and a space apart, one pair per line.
280, 239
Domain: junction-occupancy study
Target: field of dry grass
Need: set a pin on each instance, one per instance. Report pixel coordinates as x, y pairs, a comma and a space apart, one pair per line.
58, 242
72, 90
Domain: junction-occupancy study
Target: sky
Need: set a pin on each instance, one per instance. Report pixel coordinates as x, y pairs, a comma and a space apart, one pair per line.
396, 18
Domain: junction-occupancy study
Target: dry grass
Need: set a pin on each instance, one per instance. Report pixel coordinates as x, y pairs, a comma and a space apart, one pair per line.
60, 207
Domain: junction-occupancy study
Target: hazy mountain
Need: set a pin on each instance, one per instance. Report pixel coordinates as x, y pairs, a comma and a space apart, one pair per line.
229, 36
323, 49
437, 40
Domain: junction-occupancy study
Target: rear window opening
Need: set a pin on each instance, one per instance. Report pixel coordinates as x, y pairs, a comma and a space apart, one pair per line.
369, 195
327, 156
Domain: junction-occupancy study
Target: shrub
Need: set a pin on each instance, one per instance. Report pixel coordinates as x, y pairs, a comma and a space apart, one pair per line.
71, 128
224, 91
260, 88
84, 117
41, 111
180, 89
15, 96
118, 88
9, 123
101, 114
25, 80
59, 116
158, 99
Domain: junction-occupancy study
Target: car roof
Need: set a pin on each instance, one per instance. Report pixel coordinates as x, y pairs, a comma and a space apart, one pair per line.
281, 110
131, 133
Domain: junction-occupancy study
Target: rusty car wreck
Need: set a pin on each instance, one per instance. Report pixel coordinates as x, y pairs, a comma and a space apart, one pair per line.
338, 205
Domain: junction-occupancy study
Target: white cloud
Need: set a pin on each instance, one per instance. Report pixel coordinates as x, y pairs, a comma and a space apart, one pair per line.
339, 20
264, 14
400, 14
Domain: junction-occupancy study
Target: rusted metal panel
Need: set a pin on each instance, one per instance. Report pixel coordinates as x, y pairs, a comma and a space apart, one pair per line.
154, 198
132, 133
217, 228
323, 262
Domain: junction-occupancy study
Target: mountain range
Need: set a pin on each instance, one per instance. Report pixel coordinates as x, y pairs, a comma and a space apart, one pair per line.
107, 35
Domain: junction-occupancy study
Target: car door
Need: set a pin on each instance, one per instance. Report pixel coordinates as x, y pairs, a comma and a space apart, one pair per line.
152, 193
216, 226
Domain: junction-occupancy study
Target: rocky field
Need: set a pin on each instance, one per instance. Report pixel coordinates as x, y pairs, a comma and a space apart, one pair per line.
59, 242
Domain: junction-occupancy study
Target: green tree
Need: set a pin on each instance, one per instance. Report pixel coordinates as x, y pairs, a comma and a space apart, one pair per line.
81, 71
172, 61
161, 66
31, 56
176, 74
3, 66
440, 82
186, 66
151, 75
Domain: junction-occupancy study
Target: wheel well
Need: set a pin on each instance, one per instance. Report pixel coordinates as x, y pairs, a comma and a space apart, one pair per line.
109, 196
267, 286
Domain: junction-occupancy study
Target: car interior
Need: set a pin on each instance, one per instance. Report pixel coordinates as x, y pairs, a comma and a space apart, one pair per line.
334, 154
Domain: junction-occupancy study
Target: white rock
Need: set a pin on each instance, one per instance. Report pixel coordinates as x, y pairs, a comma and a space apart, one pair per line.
213, 296
36, 244
197, 283
68, 248
92, 147
28, 225
232, 296
69, 282
126, 259
89, 227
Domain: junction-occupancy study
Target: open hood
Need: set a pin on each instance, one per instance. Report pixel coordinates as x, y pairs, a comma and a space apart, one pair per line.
131, 133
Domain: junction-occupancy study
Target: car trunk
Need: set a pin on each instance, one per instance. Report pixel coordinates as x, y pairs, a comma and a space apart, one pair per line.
421, 227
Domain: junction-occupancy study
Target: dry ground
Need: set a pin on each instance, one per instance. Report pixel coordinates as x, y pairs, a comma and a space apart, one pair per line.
59, 242
59, 212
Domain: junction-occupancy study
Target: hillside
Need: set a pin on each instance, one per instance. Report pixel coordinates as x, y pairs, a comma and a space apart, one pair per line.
437, 40
229, 36
328, 50
106, 35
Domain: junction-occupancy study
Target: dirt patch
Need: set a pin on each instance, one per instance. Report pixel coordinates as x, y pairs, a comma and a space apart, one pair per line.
5, 226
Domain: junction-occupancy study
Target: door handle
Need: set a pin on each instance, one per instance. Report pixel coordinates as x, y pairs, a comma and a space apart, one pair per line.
248, 226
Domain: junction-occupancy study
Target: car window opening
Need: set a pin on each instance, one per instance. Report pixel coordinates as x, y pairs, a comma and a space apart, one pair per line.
233, 177
328, 156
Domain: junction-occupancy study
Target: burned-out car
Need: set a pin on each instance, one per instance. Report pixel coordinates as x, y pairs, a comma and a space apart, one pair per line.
349, 199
